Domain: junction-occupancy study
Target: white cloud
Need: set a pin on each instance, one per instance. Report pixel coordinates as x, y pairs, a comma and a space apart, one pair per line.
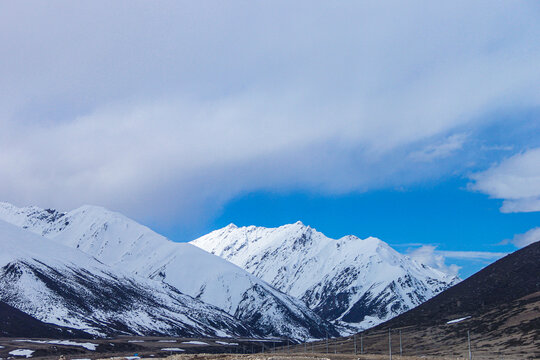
173, 108
480, 255
429, 255
531, 236
515, 179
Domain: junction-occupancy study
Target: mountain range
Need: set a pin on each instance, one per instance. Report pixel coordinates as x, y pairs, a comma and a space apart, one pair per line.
67, 287
349, 280
98, 271
127, 246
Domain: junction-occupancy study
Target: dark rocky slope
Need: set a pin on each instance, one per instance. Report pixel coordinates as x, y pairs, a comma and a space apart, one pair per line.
15, 323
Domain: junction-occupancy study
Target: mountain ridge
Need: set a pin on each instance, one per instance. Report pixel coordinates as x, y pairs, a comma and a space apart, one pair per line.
121, 242
60, 285
348, 280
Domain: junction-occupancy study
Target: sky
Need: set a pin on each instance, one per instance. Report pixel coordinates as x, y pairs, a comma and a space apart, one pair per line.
415, 122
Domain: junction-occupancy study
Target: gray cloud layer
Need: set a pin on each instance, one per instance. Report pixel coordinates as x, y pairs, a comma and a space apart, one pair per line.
154, 108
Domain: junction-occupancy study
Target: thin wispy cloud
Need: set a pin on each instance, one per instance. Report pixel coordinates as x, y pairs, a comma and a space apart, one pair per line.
527, 238
480, 255
440, 150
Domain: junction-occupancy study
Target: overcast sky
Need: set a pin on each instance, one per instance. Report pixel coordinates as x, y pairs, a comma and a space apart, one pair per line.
169, 110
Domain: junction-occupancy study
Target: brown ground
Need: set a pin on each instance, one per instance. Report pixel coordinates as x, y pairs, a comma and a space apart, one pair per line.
509, 331
309, 356
506, 331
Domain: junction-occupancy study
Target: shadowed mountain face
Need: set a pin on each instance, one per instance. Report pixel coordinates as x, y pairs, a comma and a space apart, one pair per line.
15, 323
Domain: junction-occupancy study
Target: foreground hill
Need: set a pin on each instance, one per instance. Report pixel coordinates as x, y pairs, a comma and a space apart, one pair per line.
350, 280
515, 277
124, 244
499, 306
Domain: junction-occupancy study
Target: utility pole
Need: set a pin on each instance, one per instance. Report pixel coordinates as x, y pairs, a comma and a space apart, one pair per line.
400, 348
469, 343
361, 343
354, 337
390, 343
288, 346
327, 342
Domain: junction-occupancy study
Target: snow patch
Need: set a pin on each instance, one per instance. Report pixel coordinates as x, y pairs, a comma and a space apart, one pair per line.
22, 352
458, 320
195, 342
226, 343
88, 346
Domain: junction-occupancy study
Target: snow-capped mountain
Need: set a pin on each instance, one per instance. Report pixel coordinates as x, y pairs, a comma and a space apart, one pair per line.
60, 285
124, 244
350, 280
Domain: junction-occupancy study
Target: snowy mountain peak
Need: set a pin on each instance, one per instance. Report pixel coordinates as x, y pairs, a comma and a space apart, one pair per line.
97, 211
299, 225
349, 238
33, 218
358, 281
